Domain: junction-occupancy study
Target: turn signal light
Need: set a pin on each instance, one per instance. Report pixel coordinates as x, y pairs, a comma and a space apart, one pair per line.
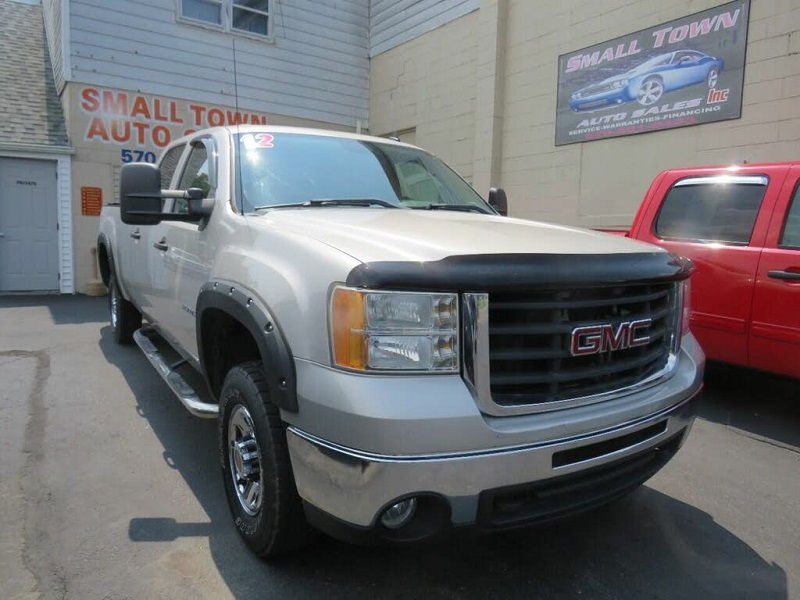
394, 331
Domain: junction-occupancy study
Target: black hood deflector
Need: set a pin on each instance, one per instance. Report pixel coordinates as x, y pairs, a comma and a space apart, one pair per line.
513, 272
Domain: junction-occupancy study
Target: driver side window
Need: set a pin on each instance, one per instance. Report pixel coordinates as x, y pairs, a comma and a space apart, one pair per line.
196, 174
790, 238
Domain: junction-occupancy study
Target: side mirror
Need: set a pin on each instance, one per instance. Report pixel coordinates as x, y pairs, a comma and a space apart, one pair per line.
140, 197
200, 207
498, 200
140, 194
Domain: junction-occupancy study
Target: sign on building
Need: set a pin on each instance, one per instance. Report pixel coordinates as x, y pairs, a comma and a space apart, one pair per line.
91, 201
685, 72
138, 126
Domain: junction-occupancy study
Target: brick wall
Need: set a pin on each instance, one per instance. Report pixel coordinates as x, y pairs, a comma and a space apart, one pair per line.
602, 182
429, 84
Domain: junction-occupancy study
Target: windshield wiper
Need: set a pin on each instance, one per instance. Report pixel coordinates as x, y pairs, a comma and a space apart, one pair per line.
460, 207
333, 202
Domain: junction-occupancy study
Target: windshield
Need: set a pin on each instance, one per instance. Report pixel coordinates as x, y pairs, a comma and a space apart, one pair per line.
295, 168
656, 61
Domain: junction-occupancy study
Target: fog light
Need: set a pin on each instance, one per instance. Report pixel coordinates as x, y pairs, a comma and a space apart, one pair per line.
399, 514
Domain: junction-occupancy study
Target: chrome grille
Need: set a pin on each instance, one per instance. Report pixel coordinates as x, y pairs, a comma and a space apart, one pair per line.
530, 332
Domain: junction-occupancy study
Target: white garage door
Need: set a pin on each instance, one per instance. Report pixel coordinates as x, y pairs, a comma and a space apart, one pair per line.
28, 225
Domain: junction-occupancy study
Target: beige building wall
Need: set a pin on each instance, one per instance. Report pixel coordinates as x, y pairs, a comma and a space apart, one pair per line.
598, 183
428, 84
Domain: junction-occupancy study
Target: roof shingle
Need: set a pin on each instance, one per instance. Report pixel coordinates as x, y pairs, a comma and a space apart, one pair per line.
30, 110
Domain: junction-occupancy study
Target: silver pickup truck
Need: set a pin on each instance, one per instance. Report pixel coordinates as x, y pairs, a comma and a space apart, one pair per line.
387, 355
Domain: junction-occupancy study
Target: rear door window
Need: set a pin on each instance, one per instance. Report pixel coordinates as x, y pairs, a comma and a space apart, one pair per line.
719, 209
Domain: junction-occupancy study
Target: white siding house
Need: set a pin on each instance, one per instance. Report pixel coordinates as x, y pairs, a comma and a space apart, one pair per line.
56, 28
313, 64
394, 22
132, 75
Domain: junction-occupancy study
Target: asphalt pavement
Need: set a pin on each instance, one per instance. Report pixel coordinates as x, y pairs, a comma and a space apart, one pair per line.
109, 489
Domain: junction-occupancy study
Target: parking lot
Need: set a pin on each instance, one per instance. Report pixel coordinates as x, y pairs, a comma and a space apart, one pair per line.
109, 489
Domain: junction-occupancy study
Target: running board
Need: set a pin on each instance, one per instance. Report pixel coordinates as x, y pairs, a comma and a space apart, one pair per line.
185, 392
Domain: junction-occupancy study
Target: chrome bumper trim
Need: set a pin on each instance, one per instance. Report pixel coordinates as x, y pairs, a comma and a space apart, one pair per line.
354, 486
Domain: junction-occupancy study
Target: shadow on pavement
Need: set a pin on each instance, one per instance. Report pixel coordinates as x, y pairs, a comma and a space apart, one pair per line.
647, 545
760, 403
64, 309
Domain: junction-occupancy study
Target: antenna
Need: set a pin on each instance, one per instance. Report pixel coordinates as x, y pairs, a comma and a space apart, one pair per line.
238, 145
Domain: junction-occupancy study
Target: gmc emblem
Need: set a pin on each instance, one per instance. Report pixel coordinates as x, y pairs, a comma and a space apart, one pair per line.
594, 339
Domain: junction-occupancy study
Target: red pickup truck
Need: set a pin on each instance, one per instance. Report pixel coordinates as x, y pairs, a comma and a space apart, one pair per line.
741, 227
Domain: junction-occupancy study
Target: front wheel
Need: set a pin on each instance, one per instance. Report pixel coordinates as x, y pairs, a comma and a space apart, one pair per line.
124, 317
256, 470
712, 79
650, 91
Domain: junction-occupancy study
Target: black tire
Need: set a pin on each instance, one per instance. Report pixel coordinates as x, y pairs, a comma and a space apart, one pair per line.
278, 525
650, 91
124, 317
712, 78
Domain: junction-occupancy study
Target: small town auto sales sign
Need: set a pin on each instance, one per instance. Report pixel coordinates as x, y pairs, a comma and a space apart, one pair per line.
685, 72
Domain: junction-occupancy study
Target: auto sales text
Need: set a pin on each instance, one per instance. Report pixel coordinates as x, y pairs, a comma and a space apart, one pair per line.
639, 116
127, 118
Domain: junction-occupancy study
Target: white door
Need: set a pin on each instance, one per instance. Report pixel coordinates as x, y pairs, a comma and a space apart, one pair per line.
147, 279
188, 257
28, 225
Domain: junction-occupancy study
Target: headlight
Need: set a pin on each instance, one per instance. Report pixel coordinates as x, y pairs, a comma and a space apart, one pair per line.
394, 331
620, 83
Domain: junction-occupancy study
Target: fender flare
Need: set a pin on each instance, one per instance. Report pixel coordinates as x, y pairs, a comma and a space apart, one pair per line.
102, 240
258, 320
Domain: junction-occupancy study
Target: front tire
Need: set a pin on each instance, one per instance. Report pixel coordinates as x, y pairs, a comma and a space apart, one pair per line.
712, 79
256, 469
124, 317
650, 91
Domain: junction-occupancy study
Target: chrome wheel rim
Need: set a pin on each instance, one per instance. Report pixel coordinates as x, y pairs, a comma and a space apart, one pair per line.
244, 457
114, 305
712, 79
650, 92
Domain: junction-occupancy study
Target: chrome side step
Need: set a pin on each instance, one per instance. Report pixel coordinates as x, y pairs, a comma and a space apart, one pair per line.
185, 392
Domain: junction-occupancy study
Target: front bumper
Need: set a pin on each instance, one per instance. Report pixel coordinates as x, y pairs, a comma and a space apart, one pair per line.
600, 100
349, 489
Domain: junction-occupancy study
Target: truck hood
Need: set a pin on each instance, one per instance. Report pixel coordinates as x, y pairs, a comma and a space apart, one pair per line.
375, 234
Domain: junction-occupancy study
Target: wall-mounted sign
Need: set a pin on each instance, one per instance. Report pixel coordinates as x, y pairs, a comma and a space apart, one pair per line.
685, 72
142, 124
91, 201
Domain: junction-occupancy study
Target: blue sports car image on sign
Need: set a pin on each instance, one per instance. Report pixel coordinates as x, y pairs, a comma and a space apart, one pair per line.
688, 71
647, 82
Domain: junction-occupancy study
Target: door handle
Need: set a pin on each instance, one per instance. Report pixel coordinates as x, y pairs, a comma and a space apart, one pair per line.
2, 235
785, 275
161, 245
136, 235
